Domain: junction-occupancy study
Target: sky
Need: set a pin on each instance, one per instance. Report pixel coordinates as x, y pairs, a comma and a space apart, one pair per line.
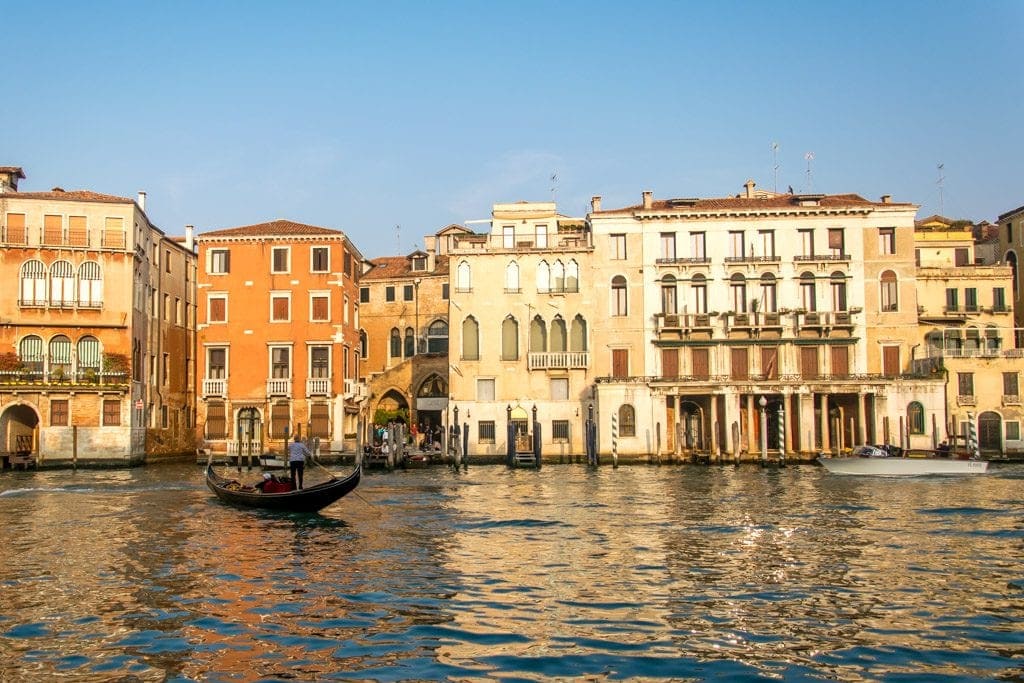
392, 120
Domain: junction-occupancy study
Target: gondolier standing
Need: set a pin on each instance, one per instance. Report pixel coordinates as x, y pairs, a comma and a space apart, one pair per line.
297, 453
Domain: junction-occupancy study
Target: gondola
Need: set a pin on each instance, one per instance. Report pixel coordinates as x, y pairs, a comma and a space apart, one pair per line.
309, 499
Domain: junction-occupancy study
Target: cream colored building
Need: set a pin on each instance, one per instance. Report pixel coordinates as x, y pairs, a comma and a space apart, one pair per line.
522, 312
1011, 251
710, 306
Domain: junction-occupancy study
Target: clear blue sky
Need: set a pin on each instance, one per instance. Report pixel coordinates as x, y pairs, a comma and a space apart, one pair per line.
366, 115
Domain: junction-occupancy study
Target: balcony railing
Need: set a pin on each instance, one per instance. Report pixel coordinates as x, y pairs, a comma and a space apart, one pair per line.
318, 386
82, 378
966, 400
558, 360
821, 257
215, 387
1011, 399
684, 260
279, 387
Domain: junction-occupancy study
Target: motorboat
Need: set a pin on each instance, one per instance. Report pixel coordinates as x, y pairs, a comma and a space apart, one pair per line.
884, 462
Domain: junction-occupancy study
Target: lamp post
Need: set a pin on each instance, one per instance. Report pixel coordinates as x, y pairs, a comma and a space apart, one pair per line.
763, 402
416, 298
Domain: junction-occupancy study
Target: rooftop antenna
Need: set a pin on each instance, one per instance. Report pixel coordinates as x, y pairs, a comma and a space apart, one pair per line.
939, 183
810, 179
398, 239
775, 166
554, 186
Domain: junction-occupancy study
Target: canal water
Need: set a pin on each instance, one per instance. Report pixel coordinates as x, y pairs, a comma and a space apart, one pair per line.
635, 573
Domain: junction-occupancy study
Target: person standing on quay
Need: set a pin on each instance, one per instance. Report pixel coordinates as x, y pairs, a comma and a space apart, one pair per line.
297, 453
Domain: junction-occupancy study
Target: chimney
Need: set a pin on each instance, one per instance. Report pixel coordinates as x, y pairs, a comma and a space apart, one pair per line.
750, 188
648, 199
190, 237
9, 176
887, 199
142, 200
595, 203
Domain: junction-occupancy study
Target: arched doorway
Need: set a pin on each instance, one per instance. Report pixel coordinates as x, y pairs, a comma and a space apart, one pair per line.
990, 431
250, 431
431, 402
18, 426
691, 426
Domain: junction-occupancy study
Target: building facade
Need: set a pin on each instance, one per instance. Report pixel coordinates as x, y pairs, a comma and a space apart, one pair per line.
278, 331
97, 341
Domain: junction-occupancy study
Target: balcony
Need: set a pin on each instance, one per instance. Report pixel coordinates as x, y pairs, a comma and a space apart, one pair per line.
15, 235
966, 400
217, 388
558, 360
752, 259
320, 386
1011, 399
82, 379
279, 387
821, 258
678, 322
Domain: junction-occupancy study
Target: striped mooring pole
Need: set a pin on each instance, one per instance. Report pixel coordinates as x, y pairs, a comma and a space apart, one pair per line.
972, 437
615, 440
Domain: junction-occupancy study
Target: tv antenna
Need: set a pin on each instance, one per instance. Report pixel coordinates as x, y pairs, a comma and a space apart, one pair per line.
810, 179
775, 167
554, 185
398, 239
940, 168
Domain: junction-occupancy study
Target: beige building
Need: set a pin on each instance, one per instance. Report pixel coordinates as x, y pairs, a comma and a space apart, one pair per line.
97, 342
795, 312
1011, 252
522, 312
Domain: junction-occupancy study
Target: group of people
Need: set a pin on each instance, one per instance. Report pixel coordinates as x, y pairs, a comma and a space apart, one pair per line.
297, 454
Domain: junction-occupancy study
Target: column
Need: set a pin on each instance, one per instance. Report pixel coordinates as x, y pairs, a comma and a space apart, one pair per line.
751, 420
862, 428
826, 444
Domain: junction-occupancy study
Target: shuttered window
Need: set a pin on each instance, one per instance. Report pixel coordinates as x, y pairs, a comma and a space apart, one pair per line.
840, 361
218, 309
111, 412
700, 360
62, 284
620, 363
670, 363
78, 233
319, 421
280, 416
90, 285
216, 425
279, 308
16, 228
809, 362
59, 412
320, 308
739, 363
890, 361
53, 229
770, 362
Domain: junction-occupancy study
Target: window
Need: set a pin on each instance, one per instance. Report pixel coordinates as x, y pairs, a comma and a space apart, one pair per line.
509, 339
1010, 384
769, 301
30, 353
697, 245
962, 256
320, 421
280, 258
364, 344
364, 295
216, 424
809, 362
668, 295
737, 249
670, 363
216, 363
971, 299
840, 361
62, 284
409, 348
167, 261
217, 308
88, 355
464, 281
349, 267
541, 240
444, 291
111, 412
620, 363
16, 233
557, 341
165, 368
572, 276
320, 361
668, 245
485, 389
407, 293
836, 242
557, 277
485, 431
699, 288
178, 314
770, 362
319, 259
396, 343
280, 362
53, 229
1012, 430
739, 362
627, 420
578, 334
470, 339
700, 363
889, 299
891, 360
33, 283
389, 293
59, 412
90, 285
508, 236
559, 388
738, 290
619, 298
808, 292
512, 278
60, 355
965, 383
437, 337
767, 239
952, 300
887, 242
280, 419
419, 263
319, 307
806, 243
998, 299
280, 307
538, 335
220, 262
915, 418
560, 431
618, 247
838, 284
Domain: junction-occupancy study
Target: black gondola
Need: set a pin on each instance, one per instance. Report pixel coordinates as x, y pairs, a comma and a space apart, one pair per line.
309, 499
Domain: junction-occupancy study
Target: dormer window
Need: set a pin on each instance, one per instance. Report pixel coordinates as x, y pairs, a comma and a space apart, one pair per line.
419, 262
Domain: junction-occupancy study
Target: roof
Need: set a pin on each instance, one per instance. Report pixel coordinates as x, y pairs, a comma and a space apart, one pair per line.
396, 267
16, 170
71, 195
1010, 213
782, 201
279, 227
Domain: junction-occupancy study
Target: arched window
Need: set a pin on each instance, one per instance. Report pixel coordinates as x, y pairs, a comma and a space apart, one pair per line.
557, 277
88, 354
396, 343
992, 341
915, 418
572, 276
808, 292
768, 301
90, 285
838, 284
973, 340
62, 284
627, 420
470, 339
509, 339
558, 336
410, 343
543, 277
699, 287
30, 353
620, 301
463, 281
538, 335
33, 283
738, 289
437, 337
364, 344
889, 298
512, 278
60, 355
668, 295
578, 334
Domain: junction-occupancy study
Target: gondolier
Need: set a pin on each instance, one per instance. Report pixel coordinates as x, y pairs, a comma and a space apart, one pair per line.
297, 453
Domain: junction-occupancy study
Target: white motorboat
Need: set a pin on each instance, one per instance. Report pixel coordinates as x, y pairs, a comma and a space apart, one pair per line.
874, 461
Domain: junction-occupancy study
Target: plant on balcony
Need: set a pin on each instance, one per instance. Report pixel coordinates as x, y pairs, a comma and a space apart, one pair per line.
9, 362
383, 416
57, 374
115, 363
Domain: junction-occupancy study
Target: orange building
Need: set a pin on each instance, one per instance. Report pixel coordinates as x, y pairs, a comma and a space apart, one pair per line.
96, 333
278, 337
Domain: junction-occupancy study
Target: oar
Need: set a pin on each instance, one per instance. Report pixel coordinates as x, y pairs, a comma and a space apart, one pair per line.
354, 492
